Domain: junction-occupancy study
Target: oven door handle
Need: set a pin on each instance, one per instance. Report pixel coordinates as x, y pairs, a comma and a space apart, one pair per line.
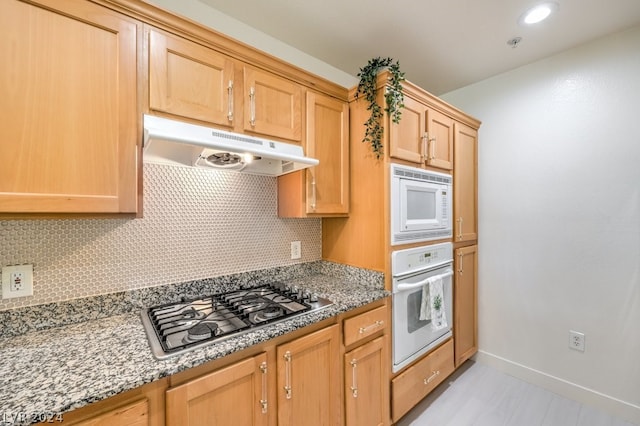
445, 274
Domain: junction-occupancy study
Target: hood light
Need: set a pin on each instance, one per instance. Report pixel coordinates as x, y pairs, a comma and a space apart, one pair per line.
538, 13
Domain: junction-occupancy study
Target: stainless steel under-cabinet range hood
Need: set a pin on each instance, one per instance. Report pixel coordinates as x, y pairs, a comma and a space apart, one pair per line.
175, 142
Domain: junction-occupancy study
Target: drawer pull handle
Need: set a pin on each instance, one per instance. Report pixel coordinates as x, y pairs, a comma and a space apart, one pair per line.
432, 377
363, 330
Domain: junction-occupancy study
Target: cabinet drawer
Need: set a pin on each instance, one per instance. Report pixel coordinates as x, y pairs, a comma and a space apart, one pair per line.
364, 325
418, 380
134, 414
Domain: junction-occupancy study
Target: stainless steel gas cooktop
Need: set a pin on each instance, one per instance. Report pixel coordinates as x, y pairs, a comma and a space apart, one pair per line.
176, 328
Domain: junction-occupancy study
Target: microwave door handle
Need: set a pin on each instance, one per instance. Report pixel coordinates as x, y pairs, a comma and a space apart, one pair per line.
447, 273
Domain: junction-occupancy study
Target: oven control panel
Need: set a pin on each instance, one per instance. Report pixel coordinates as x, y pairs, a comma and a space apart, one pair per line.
418, 258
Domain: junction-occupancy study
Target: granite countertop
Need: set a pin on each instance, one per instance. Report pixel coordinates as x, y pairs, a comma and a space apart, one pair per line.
82, 360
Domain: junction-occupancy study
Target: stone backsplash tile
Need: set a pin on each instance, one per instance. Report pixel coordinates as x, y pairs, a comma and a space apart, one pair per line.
197, 224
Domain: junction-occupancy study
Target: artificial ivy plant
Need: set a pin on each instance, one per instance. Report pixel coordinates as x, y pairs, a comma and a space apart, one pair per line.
393, 98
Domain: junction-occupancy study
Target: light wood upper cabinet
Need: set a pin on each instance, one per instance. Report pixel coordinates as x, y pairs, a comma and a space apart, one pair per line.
309, 379
465, 303
234, 395
190, 80
322, 190
407, 137
272, 105
69, 128
465, 184
424, 136
439, 146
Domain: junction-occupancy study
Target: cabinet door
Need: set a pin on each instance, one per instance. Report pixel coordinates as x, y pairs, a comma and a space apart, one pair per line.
465, 305
69, 126
407, 138
465, 183
190, 80
440, 140
272, 105
235, 395
366, 384
328, 141
324, 189
309, 390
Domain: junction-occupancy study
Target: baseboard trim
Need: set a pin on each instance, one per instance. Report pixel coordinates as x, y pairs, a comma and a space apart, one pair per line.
614, 406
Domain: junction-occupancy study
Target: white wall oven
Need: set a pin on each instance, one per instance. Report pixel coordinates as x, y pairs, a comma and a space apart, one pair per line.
420, 205
422, 301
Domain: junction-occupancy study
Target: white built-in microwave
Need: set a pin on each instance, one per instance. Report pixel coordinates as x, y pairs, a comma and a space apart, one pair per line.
421, 205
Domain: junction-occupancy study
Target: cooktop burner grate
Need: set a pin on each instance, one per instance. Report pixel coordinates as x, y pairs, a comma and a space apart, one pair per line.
174, 328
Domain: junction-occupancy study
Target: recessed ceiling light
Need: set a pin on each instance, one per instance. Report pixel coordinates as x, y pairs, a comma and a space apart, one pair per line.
538, 13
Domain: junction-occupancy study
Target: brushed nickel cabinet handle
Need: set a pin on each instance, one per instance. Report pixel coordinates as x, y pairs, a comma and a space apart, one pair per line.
263, 401
287, 375
423, 152
252, 106
313, 192
432, 377
354, 378
460, 267
433, 148
363, 330
460, 228
230, 101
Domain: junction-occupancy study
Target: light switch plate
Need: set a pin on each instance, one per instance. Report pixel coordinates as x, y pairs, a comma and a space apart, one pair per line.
17, 281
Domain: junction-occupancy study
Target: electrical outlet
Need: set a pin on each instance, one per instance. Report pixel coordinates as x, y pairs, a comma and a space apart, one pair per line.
576, 340
296, 250
17, 281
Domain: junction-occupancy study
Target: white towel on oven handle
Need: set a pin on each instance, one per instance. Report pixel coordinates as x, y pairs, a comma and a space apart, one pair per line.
425, 304
438, 316
431, 291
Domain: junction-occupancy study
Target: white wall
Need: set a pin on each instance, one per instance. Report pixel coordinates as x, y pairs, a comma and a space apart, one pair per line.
559, 220
212, 18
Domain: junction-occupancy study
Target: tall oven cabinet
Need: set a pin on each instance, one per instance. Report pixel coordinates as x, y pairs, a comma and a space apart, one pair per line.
432, 135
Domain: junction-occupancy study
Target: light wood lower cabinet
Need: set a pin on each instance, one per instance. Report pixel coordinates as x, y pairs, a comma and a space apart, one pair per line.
309, 379
414, 383
134, 414
236, 394
143, 406
367, 367
465, 303
366, 384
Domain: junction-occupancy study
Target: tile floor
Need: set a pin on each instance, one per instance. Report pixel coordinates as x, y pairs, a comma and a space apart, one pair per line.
479, 395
